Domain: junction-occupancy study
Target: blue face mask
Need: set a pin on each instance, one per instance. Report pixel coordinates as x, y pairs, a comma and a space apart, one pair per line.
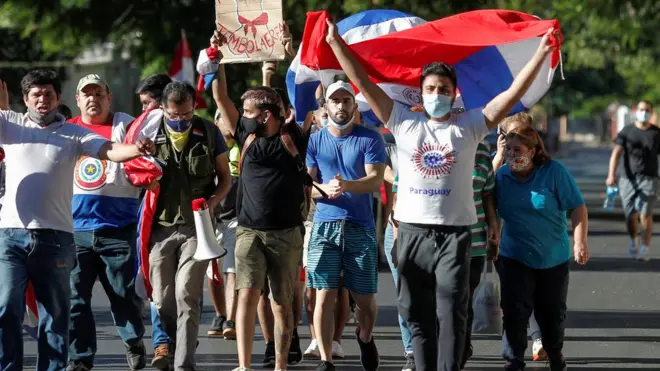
179, 126
436, 105
324, 122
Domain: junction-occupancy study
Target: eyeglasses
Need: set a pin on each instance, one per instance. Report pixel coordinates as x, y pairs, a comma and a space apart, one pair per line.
184, 116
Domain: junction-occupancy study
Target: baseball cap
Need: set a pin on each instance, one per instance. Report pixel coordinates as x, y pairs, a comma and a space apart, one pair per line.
91, 79
339, 85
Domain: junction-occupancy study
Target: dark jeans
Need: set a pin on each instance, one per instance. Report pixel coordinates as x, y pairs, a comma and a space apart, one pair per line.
543, 291
434, 264
109, 254
477, 265
45, 258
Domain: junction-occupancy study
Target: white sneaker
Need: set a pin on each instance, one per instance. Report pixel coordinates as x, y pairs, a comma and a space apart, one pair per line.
242, 369
337, 350
632, 250
641, 254
312, 350
538, 353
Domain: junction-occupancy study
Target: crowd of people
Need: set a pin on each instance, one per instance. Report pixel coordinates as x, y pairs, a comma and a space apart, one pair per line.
292, 194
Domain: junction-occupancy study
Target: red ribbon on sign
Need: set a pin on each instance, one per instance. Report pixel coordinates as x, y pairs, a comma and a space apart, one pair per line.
261, 20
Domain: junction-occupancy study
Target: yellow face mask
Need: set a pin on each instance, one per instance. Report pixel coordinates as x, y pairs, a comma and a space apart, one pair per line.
178, 140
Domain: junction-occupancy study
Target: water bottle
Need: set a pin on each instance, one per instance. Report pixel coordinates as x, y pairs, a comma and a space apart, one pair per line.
610, 198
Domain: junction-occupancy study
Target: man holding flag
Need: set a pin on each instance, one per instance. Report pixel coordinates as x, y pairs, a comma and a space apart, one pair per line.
435, 207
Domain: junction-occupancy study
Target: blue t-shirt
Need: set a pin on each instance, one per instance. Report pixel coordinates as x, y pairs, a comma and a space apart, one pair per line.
534, 213
347, 156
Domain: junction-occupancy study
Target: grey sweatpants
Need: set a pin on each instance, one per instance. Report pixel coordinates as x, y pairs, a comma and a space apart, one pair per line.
433, 288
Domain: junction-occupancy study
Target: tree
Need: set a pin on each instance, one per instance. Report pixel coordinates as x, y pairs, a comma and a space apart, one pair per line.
610, 47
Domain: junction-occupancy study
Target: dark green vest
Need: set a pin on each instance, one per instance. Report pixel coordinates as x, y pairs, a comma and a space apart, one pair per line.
187, 175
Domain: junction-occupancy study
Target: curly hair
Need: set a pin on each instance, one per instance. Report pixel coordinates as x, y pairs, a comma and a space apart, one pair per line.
530, 138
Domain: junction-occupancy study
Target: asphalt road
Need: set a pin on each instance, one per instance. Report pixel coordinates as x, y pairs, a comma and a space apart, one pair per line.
613, 320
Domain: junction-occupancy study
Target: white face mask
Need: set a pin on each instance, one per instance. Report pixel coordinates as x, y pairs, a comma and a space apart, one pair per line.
643, 116
519, 163
335, 125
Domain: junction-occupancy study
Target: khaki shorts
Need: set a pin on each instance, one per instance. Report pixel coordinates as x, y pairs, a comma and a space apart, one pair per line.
272, 254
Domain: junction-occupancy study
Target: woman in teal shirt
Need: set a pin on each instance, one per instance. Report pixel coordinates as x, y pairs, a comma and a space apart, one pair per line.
534, 194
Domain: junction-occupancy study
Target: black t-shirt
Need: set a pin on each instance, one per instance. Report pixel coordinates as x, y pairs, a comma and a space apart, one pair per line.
270, 192
229, 203
640, 150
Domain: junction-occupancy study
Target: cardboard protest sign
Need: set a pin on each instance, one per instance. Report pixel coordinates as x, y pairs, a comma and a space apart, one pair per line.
252, 29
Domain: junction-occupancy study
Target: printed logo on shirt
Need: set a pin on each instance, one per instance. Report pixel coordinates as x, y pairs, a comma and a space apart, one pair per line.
430, 192
434, 160
90, 173
160, 139
199, 133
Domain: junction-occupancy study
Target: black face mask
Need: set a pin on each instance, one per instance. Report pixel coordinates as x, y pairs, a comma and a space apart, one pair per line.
251, 125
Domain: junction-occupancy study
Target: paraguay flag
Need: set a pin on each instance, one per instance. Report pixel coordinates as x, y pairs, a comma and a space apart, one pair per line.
207, 67
302, 80
141, 172
31, 317
487, 48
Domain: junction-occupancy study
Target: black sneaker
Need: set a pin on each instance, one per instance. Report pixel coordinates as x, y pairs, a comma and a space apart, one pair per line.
369, 357
295, 353
513, 366
216, 326
269, 355
136, 356
558, 364
325, 366
467, 354
78, 366
410, 363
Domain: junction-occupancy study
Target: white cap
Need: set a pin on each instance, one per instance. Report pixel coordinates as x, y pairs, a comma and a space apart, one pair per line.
339, 85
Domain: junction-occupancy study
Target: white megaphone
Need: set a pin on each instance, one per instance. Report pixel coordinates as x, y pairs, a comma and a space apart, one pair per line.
207, 245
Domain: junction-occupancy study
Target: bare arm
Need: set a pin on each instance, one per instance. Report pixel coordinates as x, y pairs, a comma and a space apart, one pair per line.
224, 180
219, 87
312, 171
614, 164
489, 209
267, 72
119, 152
388, 176
307, 124
368, 184
498, 108
378, 100
579, 220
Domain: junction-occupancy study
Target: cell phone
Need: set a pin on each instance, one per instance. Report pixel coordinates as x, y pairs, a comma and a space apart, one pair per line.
500, 131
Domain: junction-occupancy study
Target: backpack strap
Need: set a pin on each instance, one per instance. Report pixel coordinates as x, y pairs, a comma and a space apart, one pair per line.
248, 142
290, 147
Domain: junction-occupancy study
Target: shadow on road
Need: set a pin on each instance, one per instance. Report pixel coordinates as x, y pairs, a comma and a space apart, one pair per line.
617, 264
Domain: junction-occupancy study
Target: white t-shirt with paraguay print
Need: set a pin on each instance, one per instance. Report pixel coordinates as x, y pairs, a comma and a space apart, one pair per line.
435, 166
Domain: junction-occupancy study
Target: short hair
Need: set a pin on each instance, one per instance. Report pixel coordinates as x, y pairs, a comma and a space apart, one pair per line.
530, 138
647, 103
439, 69
520, 117
284, 97
264, 98
65, 111
153, 85
41, 77
178, 92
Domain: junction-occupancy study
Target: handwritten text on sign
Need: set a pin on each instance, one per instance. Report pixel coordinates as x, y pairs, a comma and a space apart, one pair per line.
252, 29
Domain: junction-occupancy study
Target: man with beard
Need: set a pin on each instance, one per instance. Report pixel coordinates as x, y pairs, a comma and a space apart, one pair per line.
269, 202
347, 161
105, 209
36, 223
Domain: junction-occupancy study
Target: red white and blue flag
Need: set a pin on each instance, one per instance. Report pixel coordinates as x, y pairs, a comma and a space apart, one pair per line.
182, 67
141, 172
487, 48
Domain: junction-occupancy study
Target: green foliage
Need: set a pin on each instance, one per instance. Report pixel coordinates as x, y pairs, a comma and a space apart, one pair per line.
610, 50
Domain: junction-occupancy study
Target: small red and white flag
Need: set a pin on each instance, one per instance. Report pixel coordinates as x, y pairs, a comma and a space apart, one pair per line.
182, 67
